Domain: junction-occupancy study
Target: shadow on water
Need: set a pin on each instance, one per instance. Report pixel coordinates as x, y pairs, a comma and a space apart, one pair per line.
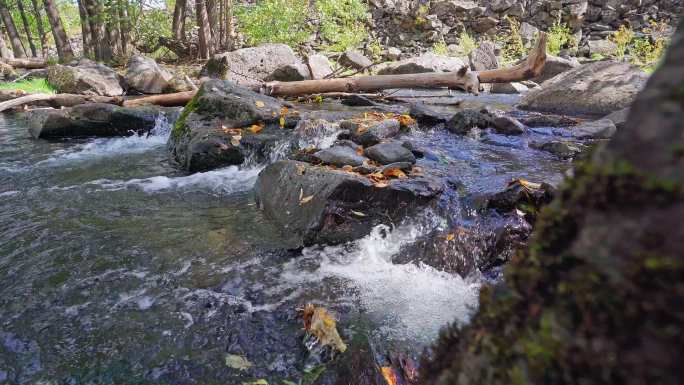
117, 268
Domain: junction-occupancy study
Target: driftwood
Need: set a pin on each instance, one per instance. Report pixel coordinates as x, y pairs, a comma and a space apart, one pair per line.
25, 63
58, 100
168, 100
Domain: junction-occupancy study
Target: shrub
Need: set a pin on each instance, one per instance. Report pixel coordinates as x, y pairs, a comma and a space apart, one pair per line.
440, 48
559, 36
622, 38
375, 50
274, 21
512, 43
342, 23
466, 44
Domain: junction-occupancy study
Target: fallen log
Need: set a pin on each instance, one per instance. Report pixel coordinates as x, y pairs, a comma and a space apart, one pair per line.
59, 100
26, 63
463, 78
168, 100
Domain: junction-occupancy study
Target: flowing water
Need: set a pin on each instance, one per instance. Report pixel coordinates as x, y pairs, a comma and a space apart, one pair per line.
117, 268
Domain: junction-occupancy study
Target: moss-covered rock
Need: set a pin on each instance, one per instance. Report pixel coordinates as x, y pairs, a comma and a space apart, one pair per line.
213, 129
596, 298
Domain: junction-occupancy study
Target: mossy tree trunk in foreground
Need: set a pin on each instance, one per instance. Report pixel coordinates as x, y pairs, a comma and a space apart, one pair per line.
597, 297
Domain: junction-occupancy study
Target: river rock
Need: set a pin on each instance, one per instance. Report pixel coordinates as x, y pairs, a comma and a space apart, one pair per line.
561, 148
507, 126
290, 72
426, 115
340, 156
199, 142
86, 78
596, 89
146, 76
93, 119
313, 204
385, 129
428, 62
508, 88
319, 65
522, 195
602, 47
463, 121
554, 66
355, 59
390, 152
249, 66
598, 129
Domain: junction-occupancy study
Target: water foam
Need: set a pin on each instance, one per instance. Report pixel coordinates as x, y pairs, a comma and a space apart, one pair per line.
109, 147
410, 302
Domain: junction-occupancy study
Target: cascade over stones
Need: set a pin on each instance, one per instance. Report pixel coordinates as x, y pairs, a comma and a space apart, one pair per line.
596, 298
314, 204
213, 129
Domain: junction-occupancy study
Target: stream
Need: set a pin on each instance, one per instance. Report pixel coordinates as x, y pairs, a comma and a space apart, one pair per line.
115, 267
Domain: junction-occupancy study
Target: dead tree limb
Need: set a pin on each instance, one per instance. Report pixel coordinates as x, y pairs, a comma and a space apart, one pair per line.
528, 69
25, 63
58, 100
168, 100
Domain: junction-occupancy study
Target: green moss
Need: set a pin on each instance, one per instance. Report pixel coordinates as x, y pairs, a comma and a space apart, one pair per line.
180, 128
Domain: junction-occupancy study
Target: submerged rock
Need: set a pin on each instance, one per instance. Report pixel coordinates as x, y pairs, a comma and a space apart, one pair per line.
313, 204
94, 119
214, 128
593, 89
506, 125
464, 121
560, 148
86, 78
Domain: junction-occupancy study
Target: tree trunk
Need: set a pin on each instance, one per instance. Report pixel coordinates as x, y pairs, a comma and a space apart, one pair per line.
113, 33
212, 18
204, 31
61, 40
229, 25
88, 50
178, 24
41, 29
5, 53
124, 25
15, 41
96, 16
27, 28
221, 26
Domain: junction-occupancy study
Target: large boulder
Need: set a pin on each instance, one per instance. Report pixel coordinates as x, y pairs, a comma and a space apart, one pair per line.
484, 57
94, 119
596, 298
593, 89
213, 130
249, 66
428, 62
319, 65
144, 75
317, 205
86, 78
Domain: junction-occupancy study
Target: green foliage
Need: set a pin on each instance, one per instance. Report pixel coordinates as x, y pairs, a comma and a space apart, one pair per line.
31, 86
622, 37
274, 21
559, 36
150, 26
440, 48
513, 47
342, 23
466, 44
375, 49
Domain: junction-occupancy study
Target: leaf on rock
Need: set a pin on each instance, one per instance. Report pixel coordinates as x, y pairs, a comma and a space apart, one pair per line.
256, 128
406, 120
450, 237
305, 200
319, 323
237, 362
389, 375
282, 122
395, 172
259, 104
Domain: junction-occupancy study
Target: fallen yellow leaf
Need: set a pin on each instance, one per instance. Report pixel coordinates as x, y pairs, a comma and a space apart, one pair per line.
406, 120
389, 375
321, 324
305, 200
282, 122
381, 184
450, 237
259, 104
256, 128
395, 172
358, 213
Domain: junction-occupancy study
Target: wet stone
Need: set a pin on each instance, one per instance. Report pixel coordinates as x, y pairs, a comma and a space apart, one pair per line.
375, 134
340, 156
508, 126
562, 149
466, 120
391, 152
427, 116
599, 129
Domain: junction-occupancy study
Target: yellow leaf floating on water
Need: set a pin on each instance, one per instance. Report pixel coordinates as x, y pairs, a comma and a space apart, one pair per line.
526, 184
389, 375
237, 362
282, 122
450, 237
259, 104
322, 325
305, 200
358, 213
